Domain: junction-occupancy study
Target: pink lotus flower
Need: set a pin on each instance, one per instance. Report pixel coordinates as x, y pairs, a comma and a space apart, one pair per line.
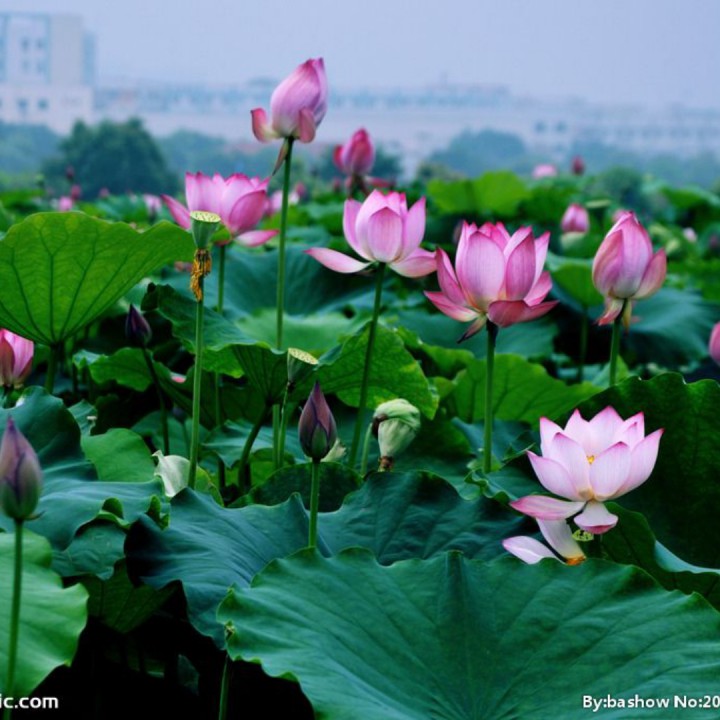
317, 430
589, 462
558, 535
543, 171
20, 474
575, 219
715, 344
356, 156
16, 355
297, 105
497, 277
625, 269
65, 203
238, 200
382, 229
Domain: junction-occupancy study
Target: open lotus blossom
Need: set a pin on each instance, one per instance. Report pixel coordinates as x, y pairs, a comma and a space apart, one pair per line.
625, 268
714, 346
238, 200
382, 229
356, 156
575, 219
16, 356
558, 535
298, 105
588, 462
497, 277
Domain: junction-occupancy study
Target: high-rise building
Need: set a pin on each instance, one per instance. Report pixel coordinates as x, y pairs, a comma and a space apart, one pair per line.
46, 70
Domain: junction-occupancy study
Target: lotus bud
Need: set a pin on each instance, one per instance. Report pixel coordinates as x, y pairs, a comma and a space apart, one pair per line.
575, 219
396, 423
317, 429
137, 328
20, 475
16, 355
578, 166
625, 268
300, 365
715, 343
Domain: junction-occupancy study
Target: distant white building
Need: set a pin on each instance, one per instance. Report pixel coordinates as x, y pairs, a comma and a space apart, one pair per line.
47, 68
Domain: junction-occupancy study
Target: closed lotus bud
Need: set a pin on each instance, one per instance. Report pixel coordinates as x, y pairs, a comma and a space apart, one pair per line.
356, 156
715, 343
317, 429
396, 423
578, 166
20, 475
297, 106
16, 355
300, 365
75, 192
575, 219
137, 328
625, 268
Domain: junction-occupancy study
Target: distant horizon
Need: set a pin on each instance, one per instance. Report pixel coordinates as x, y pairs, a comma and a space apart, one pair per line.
651, 53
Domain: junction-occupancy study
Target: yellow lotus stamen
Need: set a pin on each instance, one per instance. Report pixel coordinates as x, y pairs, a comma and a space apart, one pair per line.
591, 459
576, 560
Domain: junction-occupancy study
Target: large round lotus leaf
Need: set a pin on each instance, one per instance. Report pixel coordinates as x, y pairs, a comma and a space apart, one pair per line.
457, 639
395, 515
71, 495
60, 271
51, 617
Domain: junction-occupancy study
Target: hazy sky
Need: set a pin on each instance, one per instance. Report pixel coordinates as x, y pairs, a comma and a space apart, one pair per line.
651, 51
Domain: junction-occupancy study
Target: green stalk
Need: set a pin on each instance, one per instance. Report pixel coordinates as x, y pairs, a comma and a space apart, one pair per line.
14, 617
225, 688
280, 290
365, 450
280, 301
161, 401
615, 345
7, 395
247, 448
221, 279
285, 412
51, 369
583, 344
492, 330
197, 386
222, 252
314, 503
359, 421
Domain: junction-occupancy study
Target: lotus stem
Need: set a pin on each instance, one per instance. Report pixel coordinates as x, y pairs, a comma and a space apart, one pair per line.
360, 420
615, 345
365, 450
52, 368
225, 688
247, 449
197, 387
14, 617
492, 331
285, 412
314, 503
221, 279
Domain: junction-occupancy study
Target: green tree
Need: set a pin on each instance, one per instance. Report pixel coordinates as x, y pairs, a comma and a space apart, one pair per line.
473, 153
122, 157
